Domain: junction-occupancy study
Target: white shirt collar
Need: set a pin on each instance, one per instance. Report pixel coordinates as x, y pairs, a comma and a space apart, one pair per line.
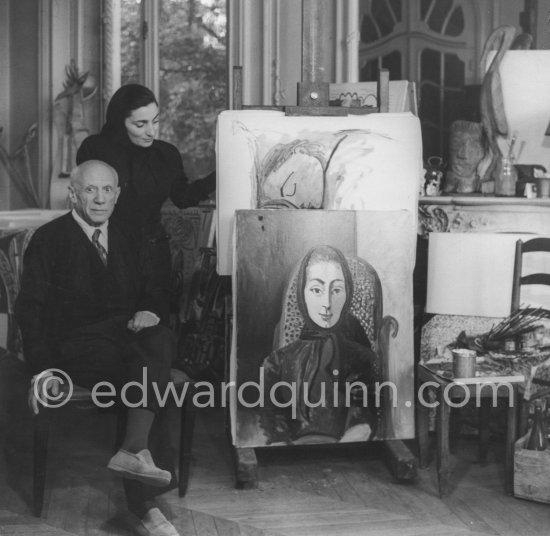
90, 229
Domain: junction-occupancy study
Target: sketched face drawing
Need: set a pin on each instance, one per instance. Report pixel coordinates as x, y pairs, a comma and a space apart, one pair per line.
325, 293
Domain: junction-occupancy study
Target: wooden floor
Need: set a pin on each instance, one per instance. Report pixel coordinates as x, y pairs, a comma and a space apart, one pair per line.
337, 492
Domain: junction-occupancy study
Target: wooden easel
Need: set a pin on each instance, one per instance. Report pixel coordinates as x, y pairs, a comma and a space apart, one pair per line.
313, 99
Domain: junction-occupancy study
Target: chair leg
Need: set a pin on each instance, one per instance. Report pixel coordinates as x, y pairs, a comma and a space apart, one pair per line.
121, 418
40, 456
484, 429
454, 428
523, 424
187, 426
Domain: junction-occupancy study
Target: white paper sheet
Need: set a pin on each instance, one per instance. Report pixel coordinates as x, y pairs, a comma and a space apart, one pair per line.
371, 162
525, 76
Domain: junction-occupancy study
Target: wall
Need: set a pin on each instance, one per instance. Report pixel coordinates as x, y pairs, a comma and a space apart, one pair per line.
4, 101
18, 83
81, 44
37, 40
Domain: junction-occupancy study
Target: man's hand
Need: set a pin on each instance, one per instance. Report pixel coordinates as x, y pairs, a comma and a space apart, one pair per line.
143, 319
46, 386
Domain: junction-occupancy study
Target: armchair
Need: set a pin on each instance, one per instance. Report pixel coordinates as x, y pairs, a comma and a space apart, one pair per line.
12, 247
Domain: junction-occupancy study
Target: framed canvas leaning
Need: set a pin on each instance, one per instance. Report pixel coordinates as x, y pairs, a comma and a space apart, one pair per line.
323, 327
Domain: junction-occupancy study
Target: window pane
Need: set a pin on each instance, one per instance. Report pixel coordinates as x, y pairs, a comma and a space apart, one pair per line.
439, 14
454, 70
130, 36
430, 66
432, 142
430, 103
369, 71
424, 7
454, 105
397, 9
392, 62
383, 17
456, 23
369, 33
192, 78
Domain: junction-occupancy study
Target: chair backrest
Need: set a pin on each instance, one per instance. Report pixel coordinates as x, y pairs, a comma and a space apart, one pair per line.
366, 304
539, 277
12, 249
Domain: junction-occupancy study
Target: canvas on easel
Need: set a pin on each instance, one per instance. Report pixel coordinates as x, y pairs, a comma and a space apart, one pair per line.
267, 160
322, 323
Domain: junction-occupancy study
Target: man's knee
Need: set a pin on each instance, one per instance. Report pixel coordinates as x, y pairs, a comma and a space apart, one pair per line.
159, 343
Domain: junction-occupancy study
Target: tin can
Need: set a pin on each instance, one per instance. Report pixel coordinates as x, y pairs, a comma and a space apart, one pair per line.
464, 363
528, 341
510, 345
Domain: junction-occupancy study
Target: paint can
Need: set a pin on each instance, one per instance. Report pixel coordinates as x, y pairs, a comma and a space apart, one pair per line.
543, 187
464, 363
529, 341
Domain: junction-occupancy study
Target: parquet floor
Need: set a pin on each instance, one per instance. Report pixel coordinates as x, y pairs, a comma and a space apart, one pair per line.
346, 491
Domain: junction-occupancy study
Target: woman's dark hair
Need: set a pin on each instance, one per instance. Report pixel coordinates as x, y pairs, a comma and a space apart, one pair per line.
323, 254
124, 101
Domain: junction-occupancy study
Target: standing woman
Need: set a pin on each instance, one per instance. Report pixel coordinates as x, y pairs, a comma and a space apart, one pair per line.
150, 171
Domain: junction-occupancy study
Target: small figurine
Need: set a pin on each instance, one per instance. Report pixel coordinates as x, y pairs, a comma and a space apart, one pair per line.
433, 176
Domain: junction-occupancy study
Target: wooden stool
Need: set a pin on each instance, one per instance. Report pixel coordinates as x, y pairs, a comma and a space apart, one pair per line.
448, 394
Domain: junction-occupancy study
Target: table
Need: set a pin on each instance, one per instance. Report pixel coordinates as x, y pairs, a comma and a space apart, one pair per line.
448, 393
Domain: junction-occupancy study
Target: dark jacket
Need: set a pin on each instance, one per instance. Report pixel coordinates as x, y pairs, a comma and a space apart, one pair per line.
147, 178
65, 286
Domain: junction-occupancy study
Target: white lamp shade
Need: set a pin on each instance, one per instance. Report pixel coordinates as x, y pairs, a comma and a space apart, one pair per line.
471, 274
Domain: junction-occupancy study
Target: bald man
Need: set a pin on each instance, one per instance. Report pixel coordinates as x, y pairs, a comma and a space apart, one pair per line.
86, 307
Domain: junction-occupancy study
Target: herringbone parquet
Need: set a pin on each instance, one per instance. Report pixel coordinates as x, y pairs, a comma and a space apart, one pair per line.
346, 491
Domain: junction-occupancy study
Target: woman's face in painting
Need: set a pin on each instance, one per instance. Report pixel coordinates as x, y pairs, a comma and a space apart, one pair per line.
143, 125
325, 293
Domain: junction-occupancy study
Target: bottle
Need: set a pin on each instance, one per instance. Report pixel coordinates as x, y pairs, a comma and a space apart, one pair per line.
537, 437
506, 178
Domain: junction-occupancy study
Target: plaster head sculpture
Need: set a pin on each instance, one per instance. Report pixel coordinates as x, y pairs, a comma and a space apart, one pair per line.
467, 149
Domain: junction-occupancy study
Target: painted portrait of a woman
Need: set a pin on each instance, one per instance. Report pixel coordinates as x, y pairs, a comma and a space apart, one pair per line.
331, 353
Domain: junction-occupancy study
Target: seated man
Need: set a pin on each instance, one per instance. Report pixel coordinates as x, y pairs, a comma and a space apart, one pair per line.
85, 307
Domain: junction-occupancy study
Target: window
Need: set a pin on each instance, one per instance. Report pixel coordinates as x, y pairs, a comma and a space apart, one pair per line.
430, 42
178, 49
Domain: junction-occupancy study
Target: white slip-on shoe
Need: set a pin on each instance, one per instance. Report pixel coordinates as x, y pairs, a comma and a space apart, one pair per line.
140, 467
157, 525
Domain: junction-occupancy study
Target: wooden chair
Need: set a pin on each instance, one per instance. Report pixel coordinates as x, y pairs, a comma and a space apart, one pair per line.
12, 247
533, 246
81, 400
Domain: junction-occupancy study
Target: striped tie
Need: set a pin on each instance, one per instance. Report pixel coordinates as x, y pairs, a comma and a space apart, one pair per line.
100, 249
